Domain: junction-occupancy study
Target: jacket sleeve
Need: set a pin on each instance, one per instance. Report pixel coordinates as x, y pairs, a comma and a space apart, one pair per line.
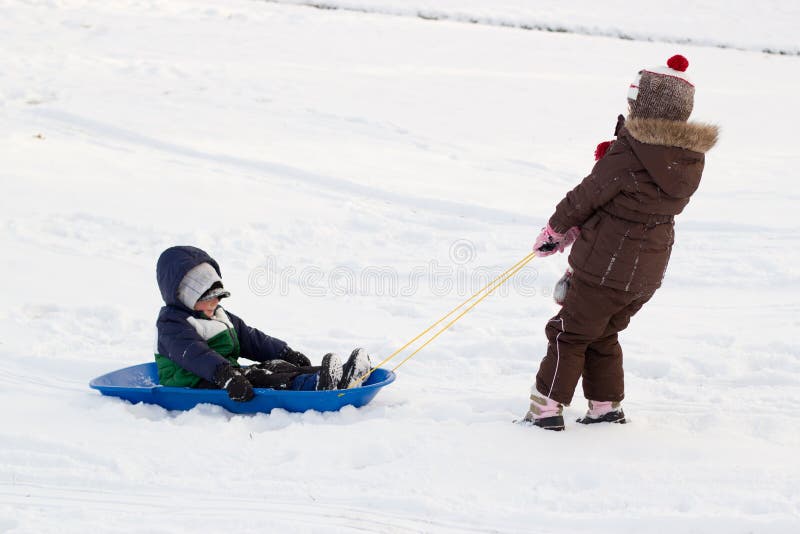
180, 342
255, 344
607, 179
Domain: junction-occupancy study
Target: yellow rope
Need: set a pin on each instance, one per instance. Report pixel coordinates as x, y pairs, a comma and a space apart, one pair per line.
522, 262
462, 314
489, 288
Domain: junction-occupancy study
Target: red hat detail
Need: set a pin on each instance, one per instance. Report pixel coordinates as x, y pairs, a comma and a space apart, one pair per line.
678, 62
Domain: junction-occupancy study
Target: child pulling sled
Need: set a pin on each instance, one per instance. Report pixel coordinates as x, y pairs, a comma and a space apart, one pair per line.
621, 221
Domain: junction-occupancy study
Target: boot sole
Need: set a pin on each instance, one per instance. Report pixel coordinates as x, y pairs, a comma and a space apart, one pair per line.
329, 381
555, 423
356, 366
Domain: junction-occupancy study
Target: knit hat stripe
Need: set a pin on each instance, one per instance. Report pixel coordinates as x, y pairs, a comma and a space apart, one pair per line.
666, 71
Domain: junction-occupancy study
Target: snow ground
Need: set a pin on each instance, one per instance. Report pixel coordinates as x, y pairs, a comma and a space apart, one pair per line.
280, 137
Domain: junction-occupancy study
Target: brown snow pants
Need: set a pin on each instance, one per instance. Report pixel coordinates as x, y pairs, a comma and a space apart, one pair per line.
582, 340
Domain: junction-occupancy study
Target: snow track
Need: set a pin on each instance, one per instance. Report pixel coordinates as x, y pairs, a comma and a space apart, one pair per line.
72, 125
199, 511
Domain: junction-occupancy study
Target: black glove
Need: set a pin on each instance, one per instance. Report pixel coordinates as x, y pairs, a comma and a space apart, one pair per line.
297, 358
231, 380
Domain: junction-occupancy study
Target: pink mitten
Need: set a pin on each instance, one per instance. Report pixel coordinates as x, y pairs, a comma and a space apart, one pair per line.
550, 241
547, 242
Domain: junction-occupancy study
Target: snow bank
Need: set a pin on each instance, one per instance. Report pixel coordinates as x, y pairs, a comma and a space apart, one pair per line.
771, 26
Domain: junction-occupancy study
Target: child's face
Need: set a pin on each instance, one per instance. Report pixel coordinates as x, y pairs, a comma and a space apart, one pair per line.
207, 306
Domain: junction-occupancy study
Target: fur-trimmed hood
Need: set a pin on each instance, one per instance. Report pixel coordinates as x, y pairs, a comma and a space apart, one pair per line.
673, 152
694, 136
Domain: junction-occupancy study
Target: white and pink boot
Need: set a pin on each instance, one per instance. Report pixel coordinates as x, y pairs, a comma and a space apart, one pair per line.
544, 412
603, 412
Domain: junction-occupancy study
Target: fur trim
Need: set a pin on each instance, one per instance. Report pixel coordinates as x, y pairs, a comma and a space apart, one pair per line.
695, 136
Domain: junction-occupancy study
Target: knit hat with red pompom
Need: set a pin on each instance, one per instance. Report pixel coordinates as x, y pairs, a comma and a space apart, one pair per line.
662, 92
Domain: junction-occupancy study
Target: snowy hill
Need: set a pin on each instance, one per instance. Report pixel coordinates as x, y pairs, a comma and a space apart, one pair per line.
357, 175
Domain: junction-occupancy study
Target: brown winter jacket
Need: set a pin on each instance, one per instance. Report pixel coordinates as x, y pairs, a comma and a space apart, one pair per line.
625, 208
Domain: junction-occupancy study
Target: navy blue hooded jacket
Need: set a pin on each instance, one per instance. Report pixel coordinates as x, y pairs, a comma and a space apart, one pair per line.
179, 341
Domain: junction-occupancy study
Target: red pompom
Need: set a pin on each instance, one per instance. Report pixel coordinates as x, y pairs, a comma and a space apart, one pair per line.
678, 62
601, 149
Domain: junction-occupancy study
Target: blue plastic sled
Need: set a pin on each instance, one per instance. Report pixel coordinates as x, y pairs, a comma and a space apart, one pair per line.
139, 383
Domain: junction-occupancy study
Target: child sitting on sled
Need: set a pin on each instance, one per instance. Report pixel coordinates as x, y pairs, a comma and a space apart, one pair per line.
199, 343
621, 219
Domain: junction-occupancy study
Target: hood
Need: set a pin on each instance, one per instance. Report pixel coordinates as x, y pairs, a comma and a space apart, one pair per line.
673, 152
173, 264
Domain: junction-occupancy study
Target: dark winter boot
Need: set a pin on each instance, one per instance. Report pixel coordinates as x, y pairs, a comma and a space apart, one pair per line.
331, 373
603, 412
356, 366
266, 375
